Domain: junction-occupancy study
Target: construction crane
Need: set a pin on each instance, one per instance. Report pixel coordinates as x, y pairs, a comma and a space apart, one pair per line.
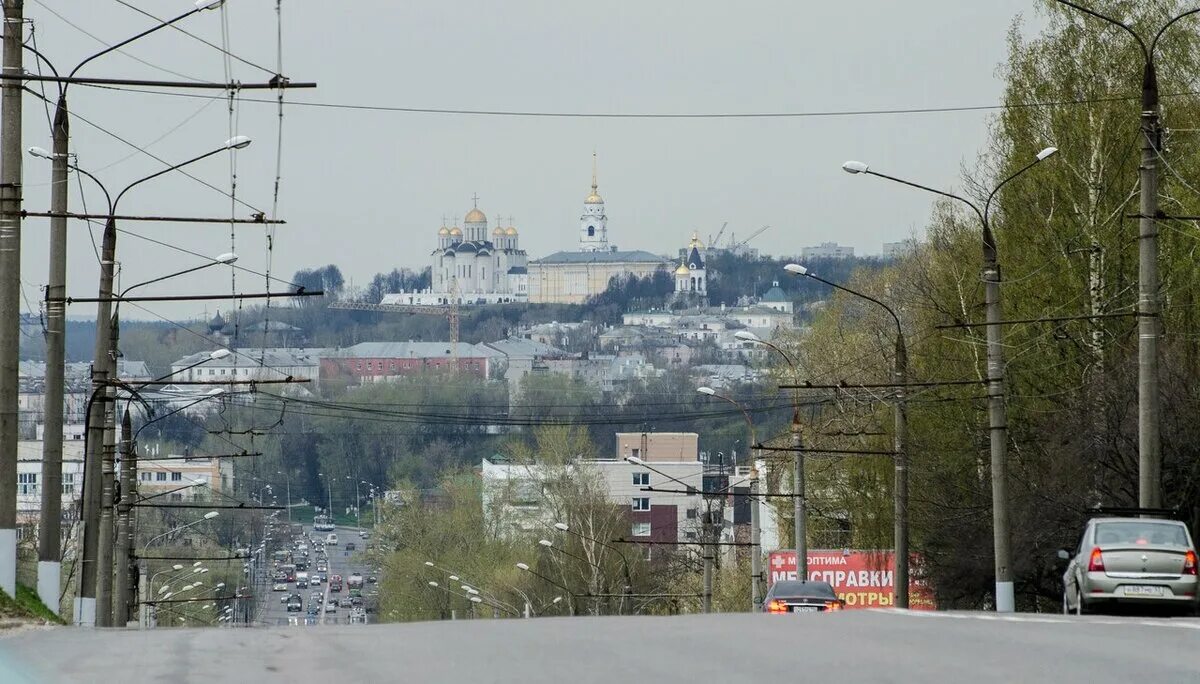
450, 311
733, 247
712, 241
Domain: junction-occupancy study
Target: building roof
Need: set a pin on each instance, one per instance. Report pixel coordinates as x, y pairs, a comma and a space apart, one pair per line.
518, 270
407, 350
475, 216
636, 256
775, 294
272, 326
270, 358
694, 260
519, 347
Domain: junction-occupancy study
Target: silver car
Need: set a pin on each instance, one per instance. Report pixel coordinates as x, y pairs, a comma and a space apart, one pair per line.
1137, 562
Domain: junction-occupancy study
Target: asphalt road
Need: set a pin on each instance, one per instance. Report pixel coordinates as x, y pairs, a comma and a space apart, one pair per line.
853, 646
272, 612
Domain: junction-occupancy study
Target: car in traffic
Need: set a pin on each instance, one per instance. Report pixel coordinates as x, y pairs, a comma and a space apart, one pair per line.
372, 579
331, 607
801, 596
331, 539
1131, 563
314, 579
279, 586
345, 602
363, 534
354, 581
350, 546
295, 604
335, 584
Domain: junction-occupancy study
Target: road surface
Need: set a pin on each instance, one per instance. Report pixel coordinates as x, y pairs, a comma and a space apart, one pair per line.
853, 646
272, 612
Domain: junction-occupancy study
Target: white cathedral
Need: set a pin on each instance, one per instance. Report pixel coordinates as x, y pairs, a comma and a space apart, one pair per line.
472, 266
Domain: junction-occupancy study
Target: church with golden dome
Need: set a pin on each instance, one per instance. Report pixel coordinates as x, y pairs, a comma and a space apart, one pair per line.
476, 266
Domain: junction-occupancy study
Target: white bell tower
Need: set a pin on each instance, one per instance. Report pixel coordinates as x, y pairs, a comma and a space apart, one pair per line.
593, 224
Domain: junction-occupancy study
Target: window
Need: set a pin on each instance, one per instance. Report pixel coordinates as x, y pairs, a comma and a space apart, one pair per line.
27, 483
691, 513
68, 483
637, 453
176, 477
144, 476
176, 497
642, 479
591, 231
160, 476
641, 529
641, 503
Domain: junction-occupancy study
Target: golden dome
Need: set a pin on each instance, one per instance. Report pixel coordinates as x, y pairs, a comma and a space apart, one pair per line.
511, 231
443, 231
682, 270
593, 198
696, 241
475, 216
455, 231
497, 231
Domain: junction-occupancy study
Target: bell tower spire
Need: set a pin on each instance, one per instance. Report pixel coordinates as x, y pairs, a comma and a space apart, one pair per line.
593, 224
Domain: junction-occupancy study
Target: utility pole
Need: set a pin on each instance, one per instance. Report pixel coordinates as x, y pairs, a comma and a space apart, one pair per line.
104, 548
124, 590
10, 285
900, 516
50, 529
801, 505
1149, 318
755, 538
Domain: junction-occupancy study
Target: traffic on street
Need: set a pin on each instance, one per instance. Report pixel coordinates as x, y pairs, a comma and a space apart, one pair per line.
317, 578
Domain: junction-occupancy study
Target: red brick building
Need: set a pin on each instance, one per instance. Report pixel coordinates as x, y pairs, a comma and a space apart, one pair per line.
378, 361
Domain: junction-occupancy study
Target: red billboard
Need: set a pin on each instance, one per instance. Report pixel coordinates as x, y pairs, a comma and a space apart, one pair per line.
863, 579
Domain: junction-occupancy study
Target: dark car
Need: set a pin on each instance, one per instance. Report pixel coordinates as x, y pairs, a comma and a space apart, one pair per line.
294, 604
350, 546
798, 596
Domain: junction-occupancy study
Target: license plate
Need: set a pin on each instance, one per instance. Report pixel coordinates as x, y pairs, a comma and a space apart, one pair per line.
1143, 591
805, 609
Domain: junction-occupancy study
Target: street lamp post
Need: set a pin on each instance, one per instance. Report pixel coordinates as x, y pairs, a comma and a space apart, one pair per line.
535, 573
50, 530
100, 414
1149, 307
288, 483
997, 412
755, 514
900, 439
563, 527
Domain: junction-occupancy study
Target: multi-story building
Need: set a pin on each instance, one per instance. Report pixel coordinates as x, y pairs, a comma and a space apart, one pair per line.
250, 364
827, 250
195, 478
382, 361
573, 277
30, 486
662, 490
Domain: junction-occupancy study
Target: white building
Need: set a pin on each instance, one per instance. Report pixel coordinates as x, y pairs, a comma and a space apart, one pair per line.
827, 250
29, 482
194, 478
691, 277
251, 364
593, 224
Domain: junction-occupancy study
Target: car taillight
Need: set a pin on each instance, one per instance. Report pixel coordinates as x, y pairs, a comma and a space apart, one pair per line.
1096, 562
776, 606
1189, 563
833, 605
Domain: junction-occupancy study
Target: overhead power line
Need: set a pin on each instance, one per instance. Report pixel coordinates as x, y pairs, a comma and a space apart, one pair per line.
829, 113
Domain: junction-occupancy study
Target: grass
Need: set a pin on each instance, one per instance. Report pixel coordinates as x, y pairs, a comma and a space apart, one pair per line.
27, 606
28, 600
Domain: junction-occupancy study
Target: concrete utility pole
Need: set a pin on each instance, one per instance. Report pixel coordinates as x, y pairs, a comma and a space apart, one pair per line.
1149, 306
800, 513
10, 285
755, 538
997, 411
900, 457
104, 548
121, 601
50, 529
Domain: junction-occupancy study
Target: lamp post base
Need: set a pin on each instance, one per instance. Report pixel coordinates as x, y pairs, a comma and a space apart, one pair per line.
49, 583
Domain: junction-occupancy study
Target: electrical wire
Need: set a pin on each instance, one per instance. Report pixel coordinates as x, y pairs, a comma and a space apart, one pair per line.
228, 54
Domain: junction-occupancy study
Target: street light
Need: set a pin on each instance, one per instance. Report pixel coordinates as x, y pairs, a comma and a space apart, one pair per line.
997, 412
97, 546
900, 443
1148, 309
49, 531
755, 514
563, 527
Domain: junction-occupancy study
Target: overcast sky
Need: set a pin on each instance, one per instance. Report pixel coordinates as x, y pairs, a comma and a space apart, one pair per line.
367, 189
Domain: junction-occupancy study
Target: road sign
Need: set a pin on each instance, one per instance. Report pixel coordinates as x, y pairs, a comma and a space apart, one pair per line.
863, 579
